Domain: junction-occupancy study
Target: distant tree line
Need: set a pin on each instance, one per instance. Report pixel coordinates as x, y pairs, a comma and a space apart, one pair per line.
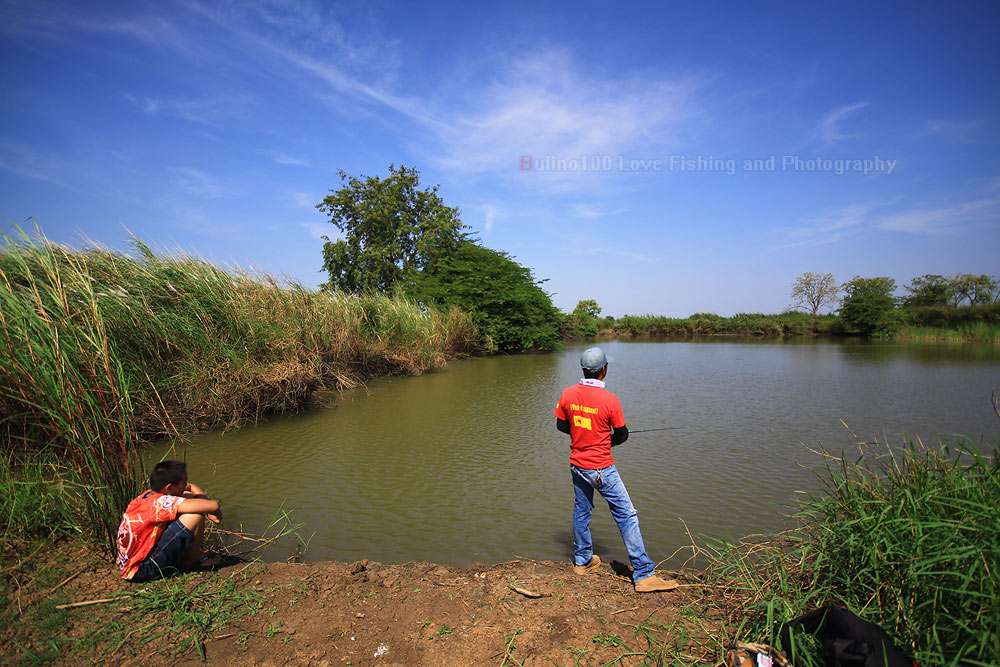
395, 237
869, 305
866, 306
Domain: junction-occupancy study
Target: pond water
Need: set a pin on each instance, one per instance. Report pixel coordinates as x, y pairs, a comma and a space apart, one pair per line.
466, 465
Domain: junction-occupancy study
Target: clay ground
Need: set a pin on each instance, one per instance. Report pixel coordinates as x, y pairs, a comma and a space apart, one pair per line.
332, 613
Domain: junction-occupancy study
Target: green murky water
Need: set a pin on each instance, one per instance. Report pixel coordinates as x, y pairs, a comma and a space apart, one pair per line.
465, 464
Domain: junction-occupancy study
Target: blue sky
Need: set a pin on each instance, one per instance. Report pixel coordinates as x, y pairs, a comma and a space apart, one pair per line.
684, 156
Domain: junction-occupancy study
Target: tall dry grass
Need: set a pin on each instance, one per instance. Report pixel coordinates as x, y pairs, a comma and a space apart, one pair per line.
101, 349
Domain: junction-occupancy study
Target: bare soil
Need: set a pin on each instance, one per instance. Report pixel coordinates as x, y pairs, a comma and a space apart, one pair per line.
363, 613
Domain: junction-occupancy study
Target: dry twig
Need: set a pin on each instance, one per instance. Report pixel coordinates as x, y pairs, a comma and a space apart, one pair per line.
529, 594
86, 603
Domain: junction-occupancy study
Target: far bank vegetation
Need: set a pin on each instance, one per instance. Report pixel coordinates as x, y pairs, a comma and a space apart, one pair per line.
962, 308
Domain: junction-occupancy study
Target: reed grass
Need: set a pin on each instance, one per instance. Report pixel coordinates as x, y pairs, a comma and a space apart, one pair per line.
976, 332
907, 539
100, 350
33, 501
62, 388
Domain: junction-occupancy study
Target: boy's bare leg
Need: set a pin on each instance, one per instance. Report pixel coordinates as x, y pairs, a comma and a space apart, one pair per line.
196, 524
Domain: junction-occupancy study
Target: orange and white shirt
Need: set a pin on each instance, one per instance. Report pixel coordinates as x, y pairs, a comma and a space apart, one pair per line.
144, 521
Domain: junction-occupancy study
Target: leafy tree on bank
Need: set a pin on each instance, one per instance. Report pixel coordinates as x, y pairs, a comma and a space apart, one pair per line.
502, 297
930, 290
869, 307
976, 290
583, 321
396, 236
390, 229
812, 291
587, 307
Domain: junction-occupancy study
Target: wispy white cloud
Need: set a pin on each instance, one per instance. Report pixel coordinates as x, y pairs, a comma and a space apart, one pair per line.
825, 228
281, 158
953, 130
318, 230
837, 225
830, 128
304, 200
314, 41
591, 212
547, 106
149, 28
490, 215
217, 111
199, 183
147, 104
320, 26
615, 252
30, 163
945, 220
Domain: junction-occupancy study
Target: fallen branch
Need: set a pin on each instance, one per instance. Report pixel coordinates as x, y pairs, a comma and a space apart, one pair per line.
86, 603
622, 611
65, 581
529, 594
235, 534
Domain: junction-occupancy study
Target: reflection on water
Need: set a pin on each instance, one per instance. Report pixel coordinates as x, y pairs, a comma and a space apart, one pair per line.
466, 465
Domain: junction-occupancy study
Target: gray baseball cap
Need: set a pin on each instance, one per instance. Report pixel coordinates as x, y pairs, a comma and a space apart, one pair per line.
593, 359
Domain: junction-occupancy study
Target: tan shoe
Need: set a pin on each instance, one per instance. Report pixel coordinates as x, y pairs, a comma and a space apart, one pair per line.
654, 585
589, 568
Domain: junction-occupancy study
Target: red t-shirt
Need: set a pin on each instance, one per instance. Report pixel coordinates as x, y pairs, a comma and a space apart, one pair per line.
591, 412
144, 521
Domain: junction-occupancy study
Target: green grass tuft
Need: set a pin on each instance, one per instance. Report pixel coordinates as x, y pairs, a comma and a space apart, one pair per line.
906, 539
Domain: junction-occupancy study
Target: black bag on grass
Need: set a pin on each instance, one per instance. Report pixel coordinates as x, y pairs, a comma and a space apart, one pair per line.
848, 641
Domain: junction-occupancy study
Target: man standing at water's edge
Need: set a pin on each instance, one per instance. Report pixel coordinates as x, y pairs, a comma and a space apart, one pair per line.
594, 420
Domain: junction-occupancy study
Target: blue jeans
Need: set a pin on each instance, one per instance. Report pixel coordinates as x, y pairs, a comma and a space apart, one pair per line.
609, 484
167, 554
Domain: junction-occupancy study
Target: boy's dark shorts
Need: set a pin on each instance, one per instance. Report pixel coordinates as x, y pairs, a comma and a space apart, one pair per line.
168, 553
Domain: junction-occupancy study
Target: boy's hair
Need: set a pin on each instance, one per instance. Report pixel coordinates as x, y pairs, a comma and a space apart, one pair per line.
166, 472
592, 375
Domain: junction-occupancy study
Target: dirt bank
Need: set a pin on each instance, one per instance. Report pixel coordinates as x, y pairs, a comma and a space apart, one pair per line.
333, 613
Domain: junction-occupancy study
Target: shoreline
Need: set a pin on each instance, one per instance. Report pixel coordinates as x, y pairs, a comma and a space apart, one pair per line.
66, 602
335, 613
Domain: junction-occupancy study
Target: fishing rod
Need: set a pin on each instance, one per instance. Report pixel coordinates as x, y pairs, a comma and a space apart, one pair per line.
647, 430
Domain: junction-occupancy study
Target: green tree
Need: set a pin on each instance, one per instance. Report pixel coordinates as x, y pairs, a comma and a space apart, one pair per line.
869, 306
582, 322
390, 228
812, 291
503, 298
587, 307
930, 290
976, 290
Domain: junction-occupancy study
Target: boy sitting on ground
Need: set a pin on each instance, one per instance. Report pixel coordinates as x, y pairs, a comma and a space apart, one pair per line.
162, 529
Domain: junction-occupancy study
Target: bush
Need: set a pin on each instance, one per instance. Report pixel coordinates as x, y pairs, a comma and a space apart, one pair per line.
949, 317
513, 313
871, 314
